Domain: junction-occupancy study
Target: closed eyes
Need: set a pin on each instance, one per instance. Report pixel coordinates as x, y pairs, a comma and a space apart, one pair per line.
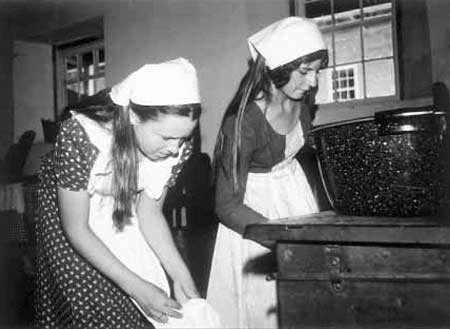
306, 70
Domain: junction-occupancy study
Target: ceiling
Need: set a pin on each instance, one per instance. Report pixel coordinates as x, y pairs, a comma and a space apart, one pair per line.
53, 21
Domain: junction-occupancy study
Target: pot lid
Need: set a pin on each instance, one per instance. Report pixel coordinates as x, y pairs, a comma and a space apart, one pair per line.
384, 115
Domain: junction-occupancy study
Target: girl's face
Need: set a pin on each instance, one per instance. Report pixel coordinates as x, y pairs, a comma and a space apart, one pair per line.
162, 138
302, 79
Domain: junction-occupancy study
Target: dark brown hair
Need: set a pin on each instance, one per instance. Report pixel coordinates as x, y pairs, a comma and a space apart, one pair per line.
257, 81
124, 146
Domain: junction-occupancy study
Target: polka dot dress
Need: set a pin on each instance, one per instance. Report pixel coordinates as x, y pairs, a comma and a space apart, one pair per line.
71, 293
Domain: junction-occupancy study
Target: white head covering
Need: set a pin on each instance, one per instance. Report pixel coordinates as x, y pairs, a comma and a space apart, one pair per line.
286, 40
170, 83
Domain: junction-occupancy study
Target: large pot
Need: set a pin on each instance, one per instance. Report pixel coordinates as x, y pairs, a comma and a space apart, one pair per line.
390, 164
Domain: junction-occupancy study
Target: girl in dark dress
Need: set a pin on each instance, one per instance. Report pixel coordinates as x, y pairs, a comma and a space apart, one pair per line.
103, 243
257, 176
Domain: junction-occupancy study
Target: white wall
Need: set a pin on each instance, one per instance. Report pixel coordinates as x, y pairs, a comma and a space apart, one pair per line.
29, 72
33, 87
210, 33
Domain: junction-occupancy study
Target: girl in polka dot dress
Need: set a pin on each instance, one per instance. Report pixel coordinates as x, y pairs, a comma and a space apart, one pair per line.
104, 247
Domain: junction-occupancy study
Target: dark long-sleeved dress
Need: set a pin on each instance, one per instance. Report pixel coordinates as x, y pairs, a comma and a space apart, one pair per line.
272, 186
71, 293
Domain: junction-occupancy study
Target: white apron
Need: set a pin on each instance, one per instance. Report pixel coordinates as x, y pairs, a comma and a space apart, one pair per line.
129, 245
243, 298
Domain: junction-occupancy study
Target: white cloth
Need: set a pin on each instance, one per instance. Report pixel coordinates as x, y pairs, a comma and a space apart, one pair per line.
286, 40
170, 83
129, 245
248, 299
197, 313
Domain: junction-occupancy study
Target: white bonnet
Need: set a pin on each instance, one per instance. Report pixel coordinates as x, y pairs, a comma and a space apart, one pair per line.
286, 40
169, 83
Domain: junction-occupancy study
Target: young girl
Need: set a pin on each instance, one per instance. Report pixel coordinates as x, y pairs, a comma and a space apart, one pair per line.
258, 178
103, 243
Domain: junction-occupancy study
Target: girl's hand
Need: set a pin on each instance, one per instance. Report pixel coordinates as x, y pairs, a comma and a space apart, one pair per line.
185, 290
155, 302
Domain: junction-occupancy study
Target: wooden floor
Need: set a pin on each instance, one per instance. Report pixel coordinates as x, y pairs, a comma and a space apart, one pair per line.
16, 280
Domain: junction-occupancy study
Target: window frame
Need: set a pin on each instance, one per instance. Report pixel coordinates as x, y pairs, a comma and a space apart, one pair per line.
62, 52
297, 8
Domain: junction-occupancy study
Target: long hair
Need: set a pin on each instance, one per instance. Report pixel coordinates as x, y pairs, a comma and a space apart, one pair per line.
256, 83
124, 150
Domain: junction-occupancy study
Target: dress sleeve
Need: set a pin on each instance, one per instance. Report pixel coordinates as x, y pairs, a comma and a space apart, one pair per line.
74, 156
230, 205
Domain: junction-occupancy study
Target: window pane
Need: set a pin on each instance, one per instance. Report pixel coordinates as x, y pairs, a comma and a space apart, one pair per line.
346, 14
90, 87
80, 68
325, 91
358, 81
72, 87
99, 84
101, 61
377, 31
82, 88
72, 95
87, 63
101, 55
71, 74
350, 82
367, 3
345, 5
351, 32
317, 9
348, 44
380, 78
335, 84
329, 42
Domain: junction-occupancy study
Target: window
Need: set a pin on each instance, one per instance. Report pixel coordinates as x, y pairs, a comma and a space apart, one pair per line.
81, 72
360, 39
344, 83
